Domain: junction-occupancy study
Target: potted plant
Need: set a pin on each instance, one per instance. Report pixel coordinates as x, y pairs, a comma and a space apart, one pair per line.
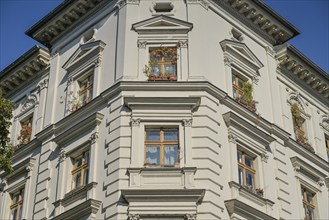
259, 192
247, 97
25, 134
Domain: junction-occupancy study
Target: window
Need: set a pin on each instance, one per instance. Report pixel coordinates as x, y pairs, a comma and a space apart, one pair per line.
86, 90
26, 131
163, 61
16, 208
237, 86
161, 147
308, 204
246, 169
326, 137
299, 125
80, 172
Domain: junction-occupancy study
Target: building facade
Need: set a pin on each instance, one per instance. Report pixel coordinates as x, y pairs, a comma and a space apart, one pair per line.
161, 109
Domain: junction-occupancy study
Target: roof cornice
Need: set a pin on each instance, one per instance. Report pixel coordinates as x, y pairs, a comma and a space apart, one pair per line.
294, 62
24, 68
261, 18
65, 16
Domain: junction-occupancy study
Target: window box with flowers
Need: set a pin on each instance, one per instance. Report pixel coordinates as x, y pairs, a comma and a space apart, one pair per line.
299, 127
162, 64
246, 98
25, 132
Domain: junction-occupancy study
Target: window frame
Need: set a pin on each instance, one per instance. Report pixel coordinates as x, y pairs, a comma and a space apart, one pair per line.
246, 168
326, 139
88, 90
162, 143
163, 62
235, 85
18, 204
307, 204
84, 167
25, 121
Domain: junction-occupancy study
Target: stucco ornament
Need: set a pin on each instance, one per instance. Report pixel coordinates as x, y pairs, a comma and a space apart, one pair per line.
190, 217
133, 217
30, 102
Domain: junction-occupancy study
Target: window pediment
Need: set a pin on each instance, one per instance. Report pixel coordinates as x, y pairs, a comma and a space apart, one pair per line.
240, 54
243, 131
85, 54
162, 24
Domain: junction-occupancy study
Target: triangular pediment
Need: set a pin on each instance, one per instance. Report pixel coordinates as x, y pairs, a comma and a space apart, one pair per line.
85, 52
162, 24
242, 52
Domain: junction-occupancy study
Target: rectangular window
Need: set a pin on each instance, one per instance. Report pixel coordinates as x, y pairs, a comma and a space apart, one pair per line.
237, 86
80, 172
26, 130
86, 90
161, 147
16, 208
163, 61
326, 137
308, 204
246, 169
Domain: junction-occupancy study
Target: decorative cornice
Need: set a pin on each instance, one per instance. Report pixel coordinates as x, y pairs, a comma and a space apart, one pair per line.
295, 63
24, 68
261, 18
61, 19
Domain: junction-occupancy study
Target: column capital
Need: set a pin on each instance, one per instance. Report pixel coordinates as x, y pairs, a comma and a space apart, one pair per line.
190, 217
187, 122
133, 217
135, 122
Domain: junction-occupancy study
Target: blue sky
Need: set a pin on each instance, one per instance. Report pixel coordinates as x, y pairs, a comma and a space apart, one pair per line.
309, 16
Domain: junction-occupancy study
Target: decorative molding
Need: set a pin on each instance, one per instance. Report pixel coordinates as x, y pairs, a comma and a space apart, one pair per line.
227, 61
3, 185
141, 44
190, 217
43, 84
98, 61
203, 3
232, 138
325, 122
62, 155
30, 102
120, 4
183, 44
135, 122
133, 217
93, 137
187, 122
264, 157
270, 51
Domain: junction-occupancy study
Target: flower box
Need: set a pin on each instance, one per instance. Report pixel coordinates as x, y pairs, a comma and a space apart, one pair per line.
251, 107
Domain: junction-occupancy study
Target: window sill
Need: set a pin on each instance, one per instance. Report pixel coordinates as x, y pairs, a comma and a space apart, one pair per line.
77, 194
153, 77
238, 191
159, 177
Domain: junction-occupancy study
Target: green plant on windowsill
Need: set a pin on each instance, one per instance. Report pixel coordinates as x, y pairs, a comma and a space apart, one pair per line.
247, 97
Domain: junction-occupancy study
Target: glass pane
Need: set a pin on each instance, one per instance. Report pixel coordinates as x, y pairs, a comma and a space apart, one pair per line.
85, 177
233, 79
170, 155
170, 69
14, 213
86, 157
241, 182
248, 161
249, 178
240, 83
78, 162
239, 156
152, 155
310, 213
20, 212
309, 197
153, 135
76, 180
83, 98
170, 135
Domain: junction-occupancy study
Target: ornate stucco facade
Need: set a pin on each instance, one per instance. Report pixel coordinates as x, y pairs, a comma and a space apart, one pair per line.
96, 137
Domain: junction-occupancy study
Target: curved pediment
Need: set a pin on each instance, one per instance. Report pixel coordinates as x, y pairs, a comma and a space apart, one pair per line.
240, 52
162, 24
84, 53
